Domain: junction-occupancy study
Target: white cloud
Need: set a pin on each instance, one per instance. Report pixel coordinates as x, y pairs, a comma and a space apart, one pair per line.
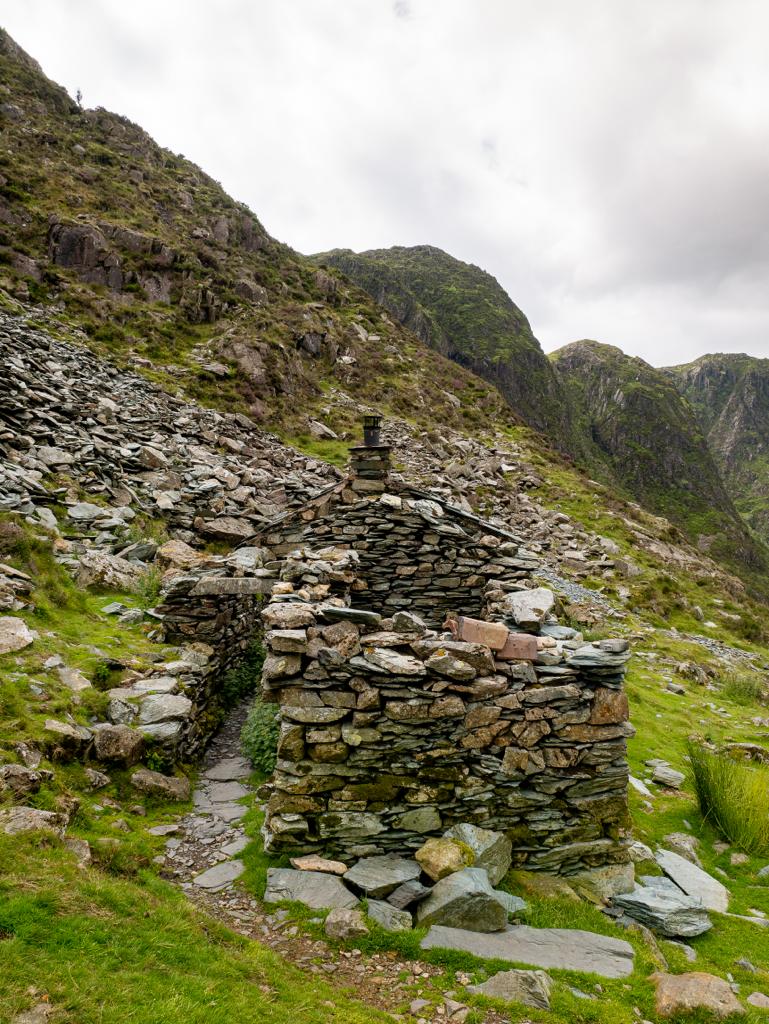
606, 162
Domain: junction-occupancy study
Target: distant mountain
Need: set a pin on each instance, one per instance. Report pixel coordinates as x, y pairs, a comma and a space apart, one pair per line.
465, 314
650, 440
729, 395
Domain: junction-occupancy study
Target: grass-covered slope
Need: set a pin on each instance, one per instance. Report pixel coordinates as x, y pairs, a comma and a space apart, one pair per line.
729, 394
649, 441
464, 313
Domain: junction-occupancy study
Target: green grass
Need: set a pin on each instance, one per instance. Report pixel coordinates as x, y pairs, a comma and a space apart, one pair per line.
734, 796
743, 689
106, 950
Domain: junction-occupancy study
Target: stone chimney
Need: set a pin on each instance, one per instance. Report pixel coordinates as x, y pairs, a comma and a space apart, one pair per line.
370, 461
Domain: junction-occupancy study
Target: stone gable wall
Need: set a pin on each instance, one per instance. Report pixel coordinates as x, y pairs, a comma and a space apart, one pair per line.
415, 555
391, 732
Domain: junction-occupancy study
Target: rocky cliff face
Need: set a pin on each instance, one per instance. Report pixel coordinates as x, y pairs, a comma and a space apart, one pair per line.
651, 442
465, 314
729, 395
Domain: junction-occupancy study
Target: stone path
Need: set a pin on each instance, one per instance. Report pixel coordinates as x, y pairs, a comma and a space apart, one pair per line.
201, 857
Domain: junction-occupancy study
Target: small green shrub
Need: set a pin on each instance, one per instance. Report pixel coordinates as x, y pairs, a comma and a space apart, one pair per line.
734, 797
243, 680
148, 587
259, 737
743, 689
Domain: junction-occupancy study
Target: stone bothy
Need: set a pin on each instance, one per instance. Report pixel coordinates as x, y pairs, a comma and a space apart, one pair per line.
422, 682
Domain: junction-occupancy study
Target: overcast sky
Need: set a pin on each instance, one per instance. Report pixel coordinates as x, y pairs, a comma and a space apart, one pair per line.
606, 160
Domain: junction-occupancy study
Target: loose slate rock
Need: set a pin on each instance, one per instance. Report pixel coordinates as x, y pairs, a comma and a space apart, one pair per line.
378, 876
313, 888
441, 857
14, 634
312, 862
408, 893
493, 850
671, 913
389, 917
464, 900
345, 924
683, 993
532, 988
664, 775
563, 948
694, 881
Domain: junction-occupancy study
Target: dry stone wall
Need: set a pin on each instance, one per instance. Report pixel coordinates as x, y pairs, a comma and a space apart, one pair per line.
415, 553
391, 731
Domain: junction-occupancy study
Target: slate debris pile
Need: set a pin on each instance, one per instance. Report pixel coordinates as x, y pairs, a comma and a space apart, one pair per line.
135, 448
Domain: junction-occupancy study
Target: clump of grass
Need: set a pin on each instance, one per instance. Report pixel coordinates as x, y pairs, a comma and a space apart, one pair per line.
259, 738
734, 797
743, 689
148, 587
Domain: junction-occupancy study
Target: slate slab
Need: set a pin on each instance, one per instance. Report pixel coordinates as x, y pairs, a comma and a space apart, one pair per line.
694, 881
220, 875
492, 850
229, 770
669, 912
313, 888
378, 876
563, 948
532, 988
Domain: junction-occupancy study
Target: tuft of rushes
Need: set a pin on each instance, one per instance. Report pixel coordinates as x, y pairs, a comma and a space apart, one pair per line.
734, 797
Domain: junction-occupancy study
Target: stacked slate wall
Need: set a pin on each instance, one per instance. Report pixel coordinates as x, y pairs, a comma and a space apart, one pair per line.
390, 733
415, 554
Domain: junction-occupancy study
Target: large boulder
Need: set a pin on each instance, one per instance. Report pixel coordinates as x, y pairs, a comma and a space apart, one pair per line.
168, 787
695, 882
492, 850
20, 781
696, 990
464, 899
14, 820
389, 917
119, 744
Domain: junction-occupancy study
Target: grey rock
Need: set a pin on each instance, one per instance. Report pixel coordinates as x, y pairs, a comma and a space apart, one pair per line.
532, 988
559, 948
466, 900
224, 792
315, 889
695, 882
162, 707
345, 924
229, 770
664, 911
118, 743
14, 820
408, 893
378, 876
492, 850
389, 917
512, 904
364, 618
170, 787
664, 775
14, 634
529, 607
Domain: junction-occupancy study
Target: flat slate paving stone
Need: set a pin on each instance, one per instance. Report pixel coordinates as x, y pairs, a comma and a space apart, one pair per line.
220, 875
230, 812
230, 770
562, 948
315, 889
224, 792
235, 846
